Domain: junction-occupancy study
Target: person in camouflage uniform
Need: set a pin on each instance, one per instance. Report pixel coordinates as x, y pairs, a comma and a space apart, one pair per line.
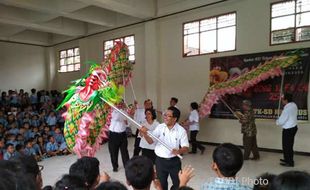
248, 129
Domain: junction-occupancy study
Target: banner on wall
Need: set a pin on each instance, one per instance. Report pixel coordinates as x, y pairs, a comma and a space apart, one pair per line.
265, 95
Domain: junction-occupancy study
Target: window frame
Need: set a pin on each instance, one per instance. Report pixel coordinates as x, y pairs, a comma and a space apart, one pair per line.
59, 58
121, 37
292, 28
216, 29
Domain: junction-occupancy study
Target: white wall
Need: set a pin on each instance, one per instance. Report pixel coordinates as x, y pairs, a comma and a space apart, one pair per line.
188, 78
161, 71
91, 48
22, 66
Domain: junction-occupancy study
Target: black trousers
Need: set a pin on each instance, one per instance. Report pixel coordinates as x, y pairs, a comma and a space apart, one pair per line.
118, 141
137, 148
149, 154
166, 167
288, 137
193, 140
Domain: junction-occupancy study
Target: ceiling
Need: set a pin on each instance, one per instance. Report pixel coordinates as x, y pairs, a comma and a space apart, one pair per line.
47, 22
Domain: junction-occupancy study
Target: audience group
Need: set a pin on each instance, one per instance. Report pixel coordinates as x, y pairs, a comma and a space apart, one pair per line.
23, 173
30, 124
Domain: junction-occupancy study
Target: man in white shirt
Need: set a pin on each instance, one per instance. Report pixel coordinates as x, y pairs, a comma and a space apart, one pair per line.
118, 138
139, 117
288, 121
193, 121
167, 163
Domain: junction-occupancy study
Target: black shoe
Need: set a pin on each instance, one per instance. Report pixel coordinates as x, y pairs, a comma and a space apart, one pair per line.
255, 159
287, 164
203, 150
191, 152
282, 160
115, 169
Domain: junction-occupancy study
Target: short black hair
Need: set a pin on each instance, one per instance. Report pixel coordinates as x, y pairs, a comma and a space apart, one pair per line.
194, 106
70, 182
28, 164
296, 180
8, 145
175, 112
87, 168
14, 173
26, 122
185, 188
174, 99
111, 185
228, 158
48, 187
139, 172
266, 180
28, 141
153, 112
49, 137
7, 179
288, 97
19, 147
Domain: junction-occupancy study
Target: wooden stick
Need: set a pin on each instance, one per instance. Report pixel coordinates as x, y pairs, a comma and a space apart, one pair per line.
230, 109
139, 126
281, 91
132, 89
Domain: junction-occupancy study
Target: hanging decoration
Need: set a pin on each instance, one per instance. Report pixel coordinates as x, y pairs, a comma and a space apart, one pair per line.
268, 69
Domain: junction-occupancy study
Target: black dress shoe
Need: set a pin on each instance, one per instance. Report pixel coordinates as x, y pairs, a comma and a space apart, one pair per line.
287, 164
191, 152
255, 159
282, 160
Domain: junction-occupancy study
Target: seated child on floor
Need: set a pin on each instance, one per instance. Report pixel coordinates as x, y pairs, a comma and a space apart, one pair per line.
52, 147
59, 138
19, 151
10, 152
29, 150
11, 139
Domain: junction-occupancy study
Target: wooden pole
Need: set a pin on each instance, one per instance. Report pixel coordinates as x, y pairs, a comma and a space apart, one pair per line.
230, 109
281, 91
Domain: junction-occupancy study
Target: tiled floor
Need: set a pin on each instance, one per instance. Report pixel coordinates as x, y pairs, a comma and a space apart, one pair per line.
55, 167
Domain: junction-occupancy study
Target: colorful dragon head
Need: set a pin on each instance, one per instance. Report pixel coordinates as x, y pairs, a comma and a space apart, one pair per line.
88, 117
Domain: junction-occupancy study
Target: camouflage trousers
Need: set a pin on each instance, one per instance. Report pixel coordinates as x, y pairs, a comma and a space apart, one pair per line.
250, 146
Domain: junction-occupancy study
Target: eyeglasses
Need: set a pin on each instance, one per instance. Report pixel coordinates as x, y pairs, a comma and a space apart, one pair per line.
165, 115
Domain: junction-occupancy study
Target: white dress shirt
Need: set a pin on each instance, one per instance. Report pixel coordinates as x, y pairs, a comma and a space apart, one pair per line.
118, 122
150, 127
175, 138
140, 115
194, 119
288, 117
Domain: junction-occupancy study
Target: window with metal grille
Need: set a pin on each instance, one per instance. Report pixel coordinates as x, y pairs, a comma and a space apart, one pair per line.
69, 60
128, 40
210, 35
290, 21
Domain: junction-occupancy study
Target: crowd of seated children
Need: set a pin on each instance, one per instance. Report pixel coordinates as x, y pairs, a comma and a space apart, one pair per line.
28, 122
